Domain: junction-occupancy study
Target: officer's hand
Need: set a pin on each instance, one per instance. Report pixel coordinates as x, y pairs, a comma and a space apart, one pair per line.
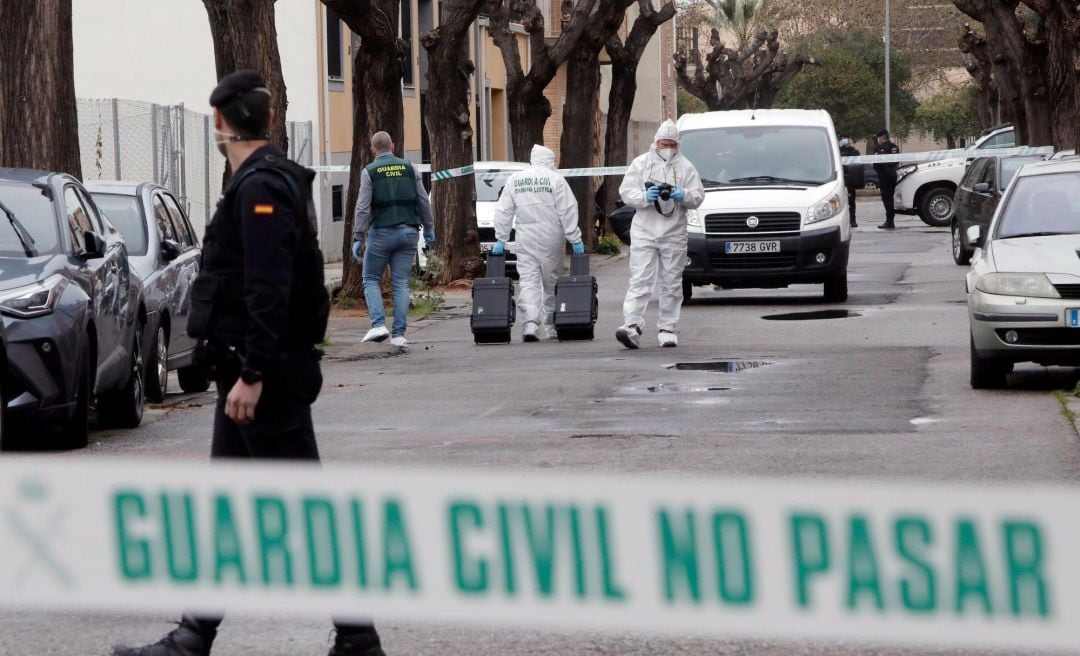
429, 238
678, 194
578, 248
241, 402
357, 250
652, 194
499, 248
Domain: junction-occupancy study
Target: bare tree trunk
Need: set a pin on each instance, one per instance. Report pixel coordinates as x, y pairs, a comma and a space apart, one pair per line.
245, 37
38, 114
378, 67
625, 58
576, 147
450, 131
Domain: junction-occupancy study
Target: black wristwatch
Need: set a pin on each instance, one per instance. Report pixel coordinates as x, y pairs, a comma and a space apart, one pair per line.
251, 376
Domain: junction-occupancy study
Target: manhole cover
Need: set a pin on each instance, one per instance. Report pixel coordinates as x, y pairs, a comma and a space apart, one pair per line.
812, 316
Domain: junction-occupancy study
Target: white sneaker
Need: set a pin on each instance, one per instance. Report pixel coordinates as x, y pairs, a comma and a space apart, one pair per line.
376, 334
667, 338
399, 341
528, 333
629, 336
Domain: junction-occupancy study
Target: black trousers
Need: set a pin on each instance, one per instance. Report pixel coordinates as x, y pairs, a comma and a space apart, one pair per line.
282, 429
851, 203
888, 188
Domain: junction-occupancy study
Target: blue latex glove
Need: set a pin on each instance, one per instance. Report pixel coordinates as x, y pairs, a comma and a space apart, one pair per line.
678, 194
578, 248
429, 238
357, 248
652, 194
499, 248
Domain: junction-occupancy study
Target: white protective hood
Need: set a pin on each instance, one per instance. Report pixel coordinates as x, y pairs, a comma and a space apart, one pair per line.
543, 157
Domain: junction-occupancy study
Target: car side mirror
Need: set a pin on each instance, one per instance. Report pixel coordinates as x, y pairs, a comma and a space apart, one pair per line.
95, 245
974, 235
981, 187
170, 250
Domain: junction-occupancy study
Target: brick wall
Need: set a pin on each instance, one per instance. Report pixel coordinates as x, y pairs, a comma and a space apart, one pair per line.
556, 94
667, 47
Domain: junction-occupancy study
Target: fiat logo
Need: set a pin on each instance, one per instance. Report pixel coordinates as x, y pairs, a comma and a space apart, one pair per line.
752, 222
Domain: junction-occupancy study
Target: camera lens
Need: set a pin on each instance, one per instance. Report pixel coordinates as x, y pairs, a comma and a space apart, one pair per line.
665, 195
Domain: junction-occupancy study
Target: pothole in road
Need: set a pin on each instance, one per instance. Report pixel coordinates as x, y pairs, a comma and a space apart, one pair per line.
719, 366
812, 316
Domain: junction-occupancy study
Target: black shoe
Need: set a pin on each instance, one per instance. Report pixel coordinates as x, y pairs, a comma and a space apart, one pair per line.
187, 639
854, 225
886, 226
359, 644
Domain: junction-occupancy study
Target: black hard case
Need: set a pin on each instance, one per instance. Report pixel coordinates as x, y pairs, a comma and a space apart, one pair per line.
493, 310
575, 302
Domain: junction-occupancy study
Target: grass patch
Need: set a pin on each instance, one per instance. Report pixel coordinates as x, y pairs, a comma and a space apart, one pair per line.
1063, 399
608, 245
345, 303
424, 300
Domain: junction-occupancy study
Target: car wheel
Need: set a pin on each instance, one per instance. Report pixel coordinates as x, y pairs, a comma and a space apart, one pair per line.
687, 292
75, 432
987, 373
936, 207
960, 254
836, 288
192, 380
157, 367
124, 407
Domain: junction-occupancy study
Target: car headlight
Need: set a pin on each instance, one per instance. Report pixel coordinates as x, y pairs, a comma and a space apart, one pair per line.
826, 209
693, 218
1035, 285
905, 171
33, 300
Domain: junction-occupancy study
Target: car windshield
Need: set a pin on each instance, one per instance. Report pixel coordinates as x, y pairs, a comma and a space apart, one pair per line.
489, 184
760, 155
1042, 205
1010, 166
125, 213
32, 212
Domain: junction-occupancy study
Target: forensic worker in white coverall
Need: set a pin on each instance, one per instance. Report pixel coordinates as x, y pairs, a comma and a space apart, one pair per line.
538, 204
658, 234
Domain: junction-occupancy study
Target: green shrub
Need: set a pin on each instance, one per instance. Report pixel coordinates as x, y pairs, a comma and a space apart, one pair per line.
609, 245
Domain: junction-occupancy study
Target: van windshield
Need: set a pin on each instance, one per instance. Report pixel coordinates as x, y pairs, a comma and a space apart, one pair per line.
768, 155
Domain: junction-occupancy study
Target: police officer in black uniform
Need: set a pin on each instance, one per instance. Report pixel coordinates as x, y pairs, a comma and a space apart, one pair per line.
886, 172
260, 307
853, 175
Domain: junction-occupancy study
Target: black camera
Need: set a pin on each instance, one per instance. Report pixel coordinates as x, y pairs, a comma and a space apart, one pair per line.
665, 190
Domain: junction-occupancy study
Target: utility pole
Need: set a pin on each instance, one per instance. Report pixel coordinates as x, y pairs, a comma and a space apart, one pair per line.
888, 72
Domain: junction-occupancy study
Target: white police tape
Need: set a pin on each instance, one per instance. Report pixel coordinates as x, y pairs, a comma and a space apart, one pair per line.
887, 562
925, 156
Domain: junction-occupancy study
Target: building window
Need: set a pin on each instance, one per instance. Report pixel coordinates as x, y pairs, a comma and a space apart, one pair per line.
337, 203
405, 32
333, 45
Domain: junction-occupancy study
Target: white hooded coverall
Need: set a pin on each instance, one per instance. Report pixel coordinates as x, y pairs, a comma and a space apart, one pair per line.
658, 242
538, 203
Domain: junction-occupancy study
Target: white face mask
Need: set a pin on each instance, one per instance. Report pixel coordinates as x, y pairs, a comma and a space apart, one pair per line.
221, 142
666, 153
844, 142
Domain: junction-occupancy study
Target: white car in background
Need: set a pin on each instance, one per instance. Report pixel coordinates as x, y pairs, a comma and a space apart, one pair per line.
927, 189
490, 179
1023, 288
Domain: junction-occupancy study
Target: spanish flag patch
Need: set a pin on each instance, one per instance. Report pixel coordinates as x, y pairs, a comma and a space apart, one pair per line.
264, 209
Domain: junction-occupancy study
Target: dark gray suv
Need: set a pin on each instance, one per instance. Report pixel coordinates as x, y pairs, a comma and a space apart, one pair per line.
72, 311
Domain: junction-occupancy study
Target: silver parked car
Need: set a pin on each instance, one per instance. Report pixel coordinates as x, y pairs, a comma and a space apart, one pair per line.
164, 251
1024, 284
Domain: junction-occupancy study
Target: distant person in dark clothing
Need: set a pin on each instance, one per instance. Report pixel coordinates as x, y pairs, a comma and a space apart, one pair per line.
853, 178
886, 172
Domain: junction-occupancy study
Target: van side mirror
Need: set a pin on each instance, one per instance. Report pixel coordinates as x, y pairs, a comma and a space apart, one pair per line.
981, 187
95, 246
974, 235
170, 250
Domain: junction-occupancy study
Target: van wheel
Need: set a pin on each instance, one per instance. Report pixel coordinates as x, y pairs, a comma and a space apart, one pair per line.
75, 431
192, 379
687, 292
124, 407
936, 206
836, 288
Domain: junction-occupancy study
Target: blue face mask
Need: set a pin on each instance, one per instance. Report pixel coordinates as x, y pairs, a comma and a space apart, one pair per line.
844, 142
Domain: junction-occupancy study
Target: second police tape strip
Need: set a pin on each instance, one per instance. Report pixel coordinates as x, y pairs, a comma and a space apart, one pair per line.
927, 156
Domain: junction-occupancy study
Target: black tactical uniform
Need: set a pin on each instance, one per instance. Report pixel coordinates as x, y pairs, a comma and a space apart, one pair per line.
853, 179
260, 306
887, 178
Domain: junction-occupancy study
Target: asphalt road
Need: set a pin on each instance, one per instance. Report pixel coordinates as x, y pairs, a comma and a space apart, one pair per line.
881, 392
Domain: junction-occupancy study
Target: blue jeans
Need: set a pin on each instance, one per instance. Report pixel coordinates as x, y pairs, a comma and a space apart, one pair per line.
395, 246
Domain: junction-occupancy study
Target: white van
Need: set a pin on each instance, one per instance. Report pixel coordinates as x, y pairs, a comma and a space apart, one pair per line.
775, 210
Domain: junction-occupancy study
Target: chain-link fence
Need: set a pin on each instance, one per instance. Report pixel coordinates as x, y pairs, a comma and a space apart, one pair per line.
167, 144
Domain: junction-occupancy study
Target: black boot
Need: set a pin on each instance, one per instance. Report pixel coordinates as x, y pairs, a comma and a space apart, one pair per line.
361, 642
190, 638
